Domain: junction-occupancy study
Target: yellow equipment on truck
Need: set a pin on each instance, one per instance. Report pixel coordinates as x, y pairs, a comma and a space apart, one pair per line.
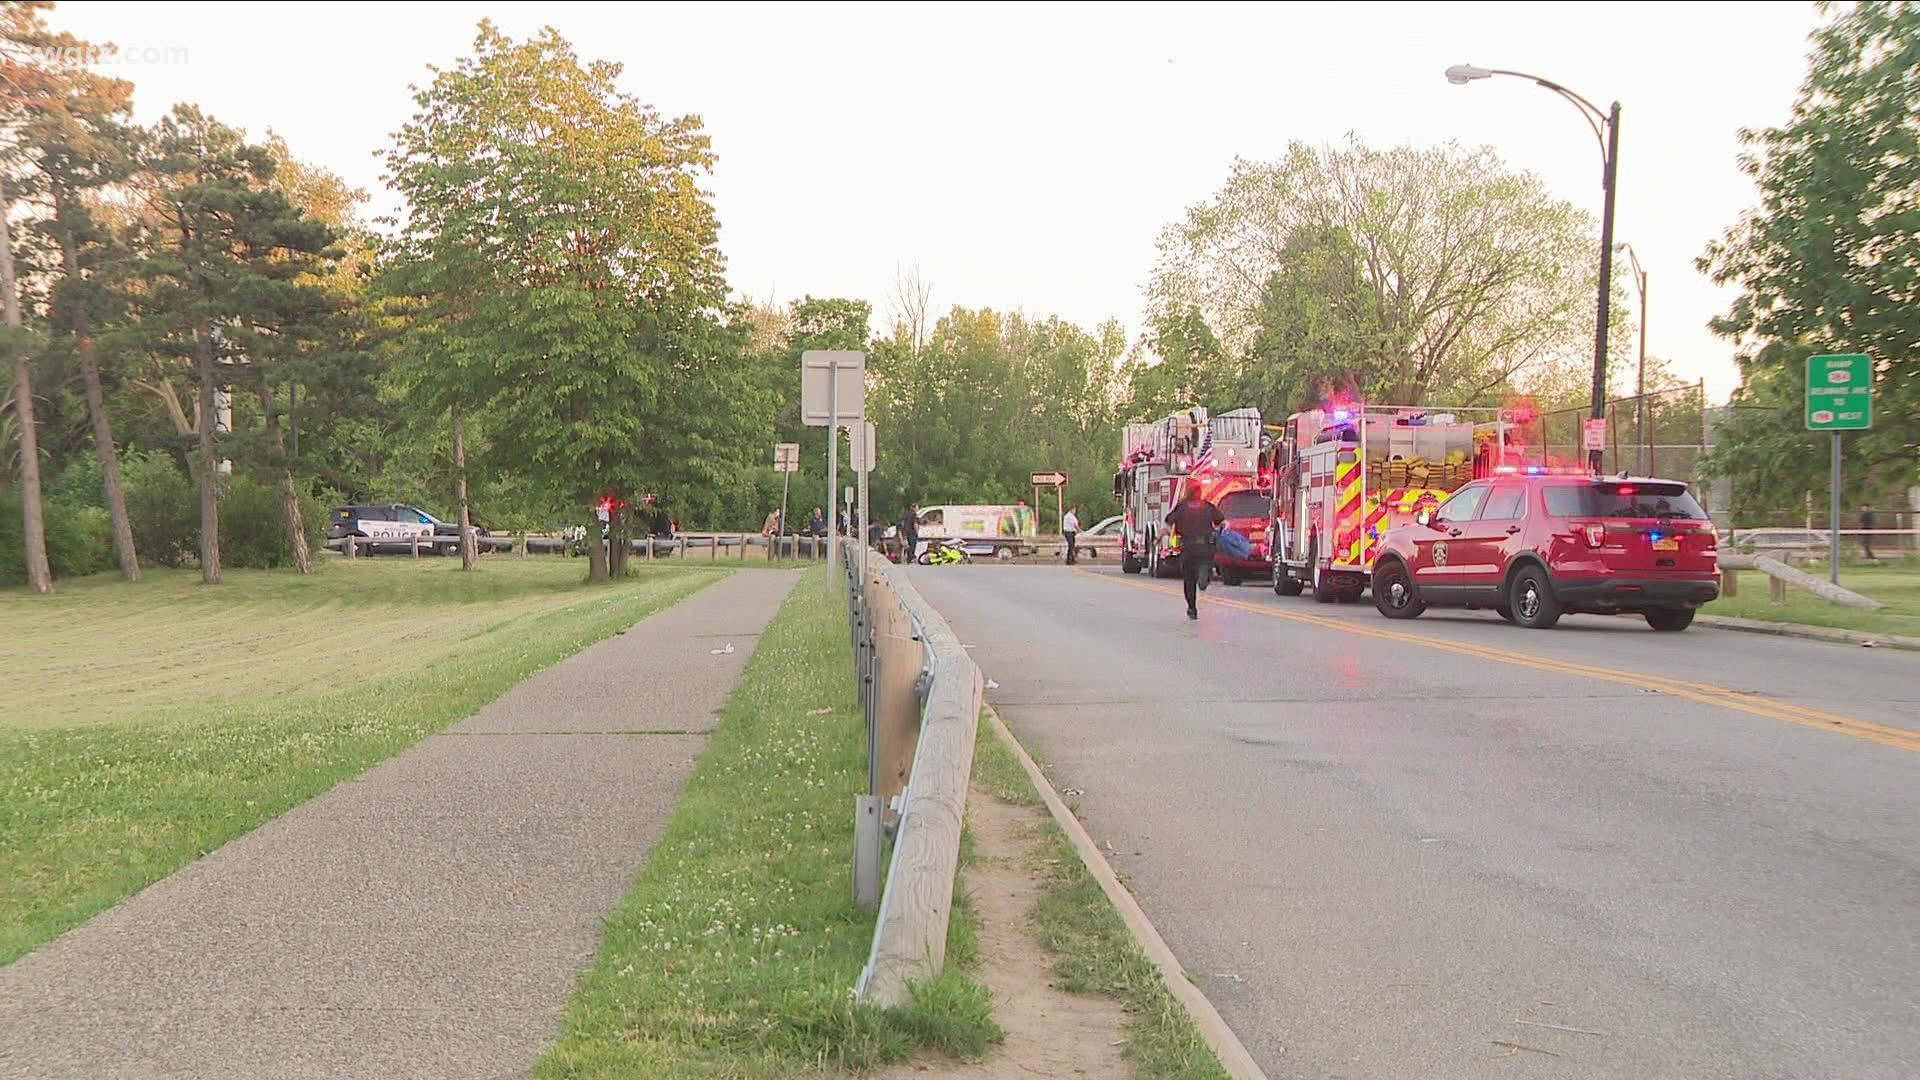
1344, 475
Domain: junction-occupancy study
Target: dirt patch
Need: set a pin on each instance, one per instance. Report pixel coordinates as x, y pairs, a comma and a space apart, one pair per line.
1050, 1033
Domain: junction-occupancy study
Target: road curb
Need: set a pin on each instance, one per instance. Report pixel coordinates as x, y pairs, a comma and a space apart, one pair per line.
1811, 633
1225, 1044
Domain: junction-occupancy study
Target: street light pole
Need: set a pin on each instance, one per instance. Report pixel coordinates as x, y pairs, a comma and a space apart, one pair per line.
1609, 139
1640, 391
1606, 280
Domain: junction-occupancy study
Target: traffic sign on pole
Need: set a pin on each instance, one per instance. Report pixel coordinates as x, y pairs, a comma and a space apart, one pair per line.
1839, 398
827, 375
1050, 479
1839, 392
786, 457
1596, 434
862, 450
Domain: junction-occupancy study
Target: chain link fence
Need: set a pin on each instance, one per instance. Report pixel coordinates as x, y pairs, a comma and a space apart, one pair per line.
1664, 433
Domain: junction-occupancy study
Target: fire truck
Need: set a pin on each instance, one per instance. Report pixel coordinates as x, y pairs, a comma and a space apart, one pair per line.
1344, 475
1161, 461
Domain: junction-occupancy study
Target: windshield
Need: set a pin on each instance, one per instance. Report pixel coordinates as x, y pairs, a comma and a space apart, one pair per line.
1623, 500
1246, 504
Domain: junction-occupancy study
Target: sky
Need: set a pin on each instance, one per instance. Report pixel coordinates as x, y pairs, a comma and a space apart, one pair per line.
1026, 156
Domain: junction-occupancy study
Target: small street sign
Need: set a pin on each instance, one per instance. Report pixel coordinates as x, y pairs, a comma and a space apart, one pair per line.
1596, 434
1839, 392
786, 457
1049, 479
862, 455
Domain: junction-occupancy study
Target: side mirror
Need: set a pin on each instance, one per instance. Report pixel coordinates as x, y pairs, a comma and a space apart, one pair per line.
1424, 517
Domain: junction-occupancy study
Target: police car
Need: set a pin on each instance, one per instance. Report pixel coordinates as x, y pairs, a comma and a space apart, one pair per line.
394, 525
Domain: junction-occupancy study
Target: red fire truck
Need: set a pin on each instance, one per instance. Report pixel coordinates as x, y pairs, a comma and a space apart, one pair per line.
1161, 460
1343, 475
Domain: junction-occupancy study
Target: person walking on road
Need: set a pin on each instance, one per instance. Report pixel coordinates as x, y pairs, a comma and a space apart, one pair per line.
1070, 528
1866, 538
1194, 521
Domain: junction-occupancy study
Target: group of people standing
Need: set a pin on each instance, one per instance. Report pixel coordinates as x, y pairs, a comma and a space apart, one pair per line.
816, 525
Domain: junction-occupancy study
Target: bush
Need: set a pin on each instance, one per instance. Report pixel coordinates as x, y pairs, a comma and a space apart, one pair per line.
253, 534
162, 505
79, 539
163, 508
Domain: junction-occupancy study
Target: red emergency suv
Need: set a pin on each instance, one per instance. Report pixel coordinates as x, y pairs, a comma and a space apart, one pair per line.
1538, 546
1250, 513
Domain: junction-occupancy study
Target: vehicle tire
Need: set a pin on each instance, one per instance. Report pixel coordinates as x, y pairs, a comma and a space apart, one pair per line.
1232, 579
1532, 600
924, 559
1004, 554
1322, 587
1393, 592
1670, 620
1129, 564
1285, 585
1505, 612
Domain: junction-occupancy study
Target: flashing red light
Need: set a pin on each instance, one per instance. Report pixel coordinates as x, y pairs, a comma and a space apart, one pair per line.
1626, 489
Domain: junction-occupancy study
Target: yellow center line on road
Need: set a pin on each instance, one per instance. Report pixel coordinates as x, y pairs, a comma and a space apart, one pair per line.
1705, 693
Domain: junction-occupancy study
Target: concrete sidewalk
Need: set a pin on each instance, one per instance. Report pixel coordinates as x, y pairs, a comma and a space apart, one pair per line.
427, 919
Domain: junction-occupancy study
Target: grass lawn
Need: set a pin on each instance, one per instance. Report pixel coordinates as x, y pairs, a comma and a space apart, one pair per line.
142, 726
1895, 585
735, 951
1092, 948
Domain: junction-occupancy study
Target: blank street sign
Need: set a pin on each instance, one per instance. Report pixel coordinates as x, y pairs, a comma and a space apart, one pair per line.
849, 378
862, 450
786, 457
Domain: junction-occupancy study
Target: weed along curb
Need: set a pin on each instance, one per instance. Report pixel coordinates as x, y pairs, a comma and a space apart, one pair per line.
1220, 1038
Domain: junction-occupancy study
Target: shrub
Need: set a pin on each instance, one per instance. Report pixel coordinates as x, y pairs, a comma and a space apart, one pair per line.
79, 539
252, 531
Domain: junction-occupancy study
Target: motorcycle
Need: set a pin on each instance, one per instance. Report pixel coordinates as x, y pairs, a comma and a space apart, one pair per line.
943, 553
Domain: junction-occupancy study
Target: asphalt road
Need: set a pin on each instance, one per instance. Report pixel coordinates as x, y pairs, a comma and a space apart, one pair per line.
1452, 848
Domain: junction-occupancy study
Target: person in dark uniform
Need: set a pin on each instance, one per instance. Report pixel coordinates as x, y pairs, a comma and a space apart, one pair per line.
1866, 537
1194, 520
910, 533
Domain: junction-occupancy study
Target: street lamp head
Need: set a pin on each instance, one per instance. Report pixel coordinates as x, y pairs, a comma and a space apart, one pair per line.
1462, 74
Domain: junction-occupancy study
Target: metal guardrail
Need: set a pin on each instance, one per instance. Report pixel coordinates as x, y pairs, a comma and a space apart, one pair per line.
921, 696
713, 545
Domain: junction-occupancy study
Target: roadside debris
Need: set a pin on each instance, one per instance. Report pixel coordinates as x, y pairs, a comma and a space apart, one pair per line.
728, 651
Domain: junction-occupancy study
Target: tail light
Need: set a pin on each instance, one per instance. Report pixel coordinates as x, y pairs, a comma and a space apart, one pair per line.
1594, 532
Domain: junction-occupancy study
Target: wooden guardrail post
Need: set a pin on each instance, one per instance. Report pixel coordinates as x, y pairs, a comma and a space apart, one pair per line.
1729, 581
1776, 590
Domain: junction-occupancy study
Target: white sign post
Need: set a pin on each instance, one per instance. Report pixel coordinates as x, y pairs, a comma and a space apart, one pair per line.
833, 389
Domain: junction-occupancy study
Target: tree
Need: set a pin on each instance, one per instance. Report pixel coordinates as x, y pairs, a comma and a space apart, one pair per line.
24, 79
565, 276
80, 143
1829, 262
230, 267
1430, 272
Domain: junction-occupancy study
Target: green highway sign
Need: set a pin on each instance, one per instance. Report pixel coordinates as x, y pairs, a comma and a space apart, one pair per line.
1839, 392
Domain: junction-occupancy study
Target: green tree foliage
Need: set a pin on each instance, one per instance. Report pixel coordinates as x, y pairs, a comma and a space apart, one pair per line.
1409, 274
1829, 263
988, 400
232, 275
559, 271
